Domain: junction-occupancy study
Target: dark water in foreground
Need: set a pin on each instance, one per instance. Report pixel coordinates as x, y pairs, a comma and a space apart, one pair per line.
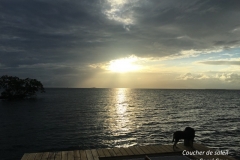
65, 119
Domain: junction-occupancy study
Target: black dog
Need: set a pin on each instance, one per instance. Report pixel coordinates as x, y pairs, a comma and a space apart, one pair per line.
187, 134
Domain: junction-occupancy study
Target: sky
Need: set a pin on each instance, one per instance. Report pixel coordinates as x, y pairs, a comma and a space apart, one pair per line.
187, 44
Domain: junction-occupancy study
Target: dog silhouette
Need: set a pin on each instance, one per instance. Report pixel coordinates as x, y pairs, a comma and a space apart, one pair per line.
187, 134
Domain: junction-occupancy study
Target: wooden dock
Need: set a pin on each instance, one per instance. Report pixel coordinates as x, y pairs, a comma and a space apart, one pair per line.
124, 153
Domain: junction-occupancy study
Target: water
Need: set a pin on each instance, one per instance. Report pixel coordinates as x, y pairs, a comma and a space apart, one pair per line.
67, 119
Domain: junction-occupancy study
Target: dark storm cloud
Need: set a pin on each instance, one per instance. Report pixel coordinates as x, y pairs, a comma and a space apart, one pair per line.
61, 36
227, 43
41, 28
204, 22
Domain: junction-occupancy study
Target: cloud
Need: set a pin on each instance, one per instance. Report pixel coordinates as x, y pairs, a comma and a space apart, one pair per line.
228, 44
71, 25
235, 30
232, 78
66, 35
229, 77
120, 11
190, 76
221, 62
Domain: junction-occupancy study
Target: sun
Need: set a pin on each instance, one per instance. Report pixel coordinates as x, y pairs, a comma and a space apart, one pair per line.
123, 65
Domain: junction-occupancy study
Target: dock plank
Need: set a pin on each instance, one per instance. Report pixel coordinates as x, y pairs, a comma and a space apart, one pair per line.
89, 154
117, 151
58, 155
162, 148
51, 156
111, 151
123, 151
38, 156
202, 147
179, 148
76, 155
45, 156
94, 154
129, 152
144, 149
83, 155
64, 155
140, 151
25, 156
169, 148
106, 152
150, 149
156, 149
134, 151
31, 156
100, 153
70, 155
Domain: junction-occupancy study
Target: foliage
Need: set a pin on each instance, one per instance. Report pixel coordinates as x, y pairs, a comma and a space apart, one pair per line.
16, 88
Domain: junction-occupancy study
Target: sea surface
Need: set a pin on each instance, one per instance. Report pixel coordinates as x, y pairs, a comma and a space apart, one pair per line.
67, 119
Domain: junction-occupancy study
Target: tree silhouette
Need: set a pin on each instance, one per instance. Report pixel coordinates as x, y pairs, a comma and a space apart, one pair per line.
16, 88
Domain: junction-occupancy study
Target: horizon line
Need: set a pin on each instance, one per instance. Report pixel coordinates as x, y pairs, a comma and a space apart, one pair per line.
140, 88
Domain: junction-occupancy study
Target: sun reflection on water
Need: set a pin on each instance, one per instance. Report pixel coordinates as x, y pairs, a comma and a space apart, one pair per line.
120, 119
121, 110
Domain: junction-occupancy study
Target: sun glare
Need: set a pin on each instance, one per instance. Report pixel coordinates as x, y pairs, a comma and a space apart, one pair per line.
123, 65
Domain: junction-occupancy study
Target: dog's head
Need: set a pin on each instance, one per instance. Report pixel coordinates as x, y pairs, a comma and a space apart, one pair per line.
190, 132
